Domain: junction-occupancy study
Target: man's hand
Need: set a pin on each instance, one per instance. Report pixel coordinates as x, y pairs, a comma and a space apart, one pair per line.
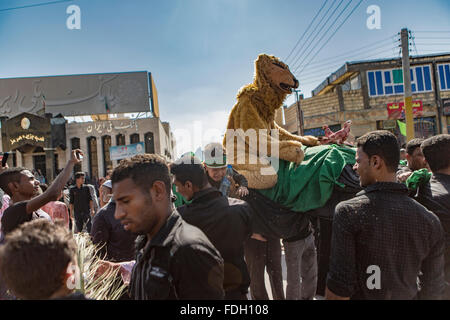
404, 176
4, 168
259, 237
125, 269
73, 158
242, 191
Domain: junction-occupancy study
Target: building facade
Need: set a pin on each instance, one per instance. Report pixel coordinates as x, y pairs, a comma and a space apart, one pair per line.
370, 93
34, 115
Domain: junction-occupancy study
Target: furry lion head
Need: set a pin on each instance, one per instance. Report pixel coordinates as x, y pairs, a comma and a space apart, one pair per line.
269, 70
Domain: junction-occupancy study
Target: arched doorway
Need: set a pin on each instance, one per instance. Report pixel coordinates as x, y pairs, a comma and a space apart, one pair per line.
149, 142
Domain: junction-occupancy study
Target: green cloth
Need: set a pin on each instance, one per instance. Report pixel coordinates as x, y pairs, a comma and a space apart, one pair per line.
180, 199
403, 163
402, 127
309, 185
418, 178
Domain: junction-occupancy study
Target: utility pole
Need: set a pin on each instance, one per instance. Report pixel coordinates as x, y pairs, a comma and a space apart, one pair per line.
300, 129
407, 85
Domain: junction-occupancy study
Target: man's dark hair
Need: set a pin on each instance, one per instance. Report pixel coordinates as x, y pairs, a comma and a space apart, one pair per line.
144, 170
79, 175
8, 176
190, 169
34, 259
412, 145
383, 144
437, 151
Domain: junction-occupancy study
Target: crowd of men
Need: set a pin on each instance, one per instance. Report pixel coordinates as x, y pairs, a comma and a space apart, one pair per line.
184, 230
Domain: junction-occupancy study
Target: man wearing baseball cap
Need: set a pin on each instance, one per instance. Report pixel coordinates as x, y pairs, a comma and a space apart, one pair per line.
222, 176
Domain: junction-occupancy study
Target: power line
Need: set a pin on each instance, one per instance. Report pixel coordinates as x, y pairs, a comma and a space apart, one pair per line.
344, 57
359, 59
345, 54
327, 41
332, 25
434, 44
301, 50
304, 33
439, 31
432, 38
35, 5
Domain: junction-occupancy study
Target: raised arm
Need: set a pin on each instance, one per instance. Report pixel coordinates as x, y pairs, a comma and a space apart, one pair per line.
55, 189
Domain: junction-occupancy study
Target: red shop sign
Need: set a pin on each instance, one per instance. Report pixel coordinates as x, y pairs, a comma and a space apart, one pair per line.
396, 110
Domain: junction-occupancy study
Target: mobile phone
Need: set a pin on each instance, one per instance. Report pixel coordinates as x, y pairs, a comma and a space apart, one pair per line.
5, 158
79, 156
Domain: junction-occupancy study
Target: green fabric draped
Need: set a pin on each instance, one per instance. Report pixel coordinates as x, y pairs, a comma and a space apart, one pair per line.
180, 199
418, 178
309, 185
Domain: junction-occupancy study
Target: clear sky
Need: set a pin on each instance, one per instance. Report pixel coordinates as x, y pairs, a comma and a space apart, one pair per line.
201, 52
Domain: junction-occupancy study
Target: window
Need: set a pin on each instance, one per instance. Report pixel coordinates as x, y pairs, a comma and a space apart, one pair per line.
75, 142
389, 82
134, 138
444, 76
318, 132
107, 163
120, 140
93, 158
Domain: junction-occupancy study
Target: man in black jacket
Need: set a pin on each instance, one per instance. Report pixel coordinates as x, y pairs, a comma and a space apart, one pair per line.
116, 244
225, 221
435, 195
174, 260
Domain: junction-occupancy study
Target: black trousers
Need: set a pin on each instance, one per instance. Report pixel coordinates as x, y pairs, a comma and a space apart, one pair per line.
235, 295
259, 255
82, 220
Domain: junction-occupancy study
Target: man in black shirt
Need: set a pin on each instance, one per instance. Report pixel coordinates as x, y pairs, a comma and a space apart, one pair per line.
174, 259
116, 244
81, 203
225, 221
435, 195
415, 159
383, 240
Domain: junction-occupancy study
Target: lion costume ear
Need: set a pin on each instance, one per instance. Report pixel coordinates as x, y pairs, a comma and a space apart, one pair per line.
261, 62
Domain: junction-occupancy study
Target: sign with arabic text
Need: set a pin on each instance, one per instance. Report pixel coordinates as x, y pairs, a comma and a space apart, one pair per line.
396, 110
76, 95
27, 129
127, 151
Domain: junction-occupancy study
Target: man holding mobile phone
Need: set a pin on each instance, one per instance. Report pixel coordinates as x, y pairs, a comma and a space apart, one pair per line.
21, 185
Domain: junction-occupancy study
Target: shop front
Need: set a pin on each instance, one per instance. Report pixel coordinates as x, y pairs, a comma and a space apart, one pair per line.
33, 141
